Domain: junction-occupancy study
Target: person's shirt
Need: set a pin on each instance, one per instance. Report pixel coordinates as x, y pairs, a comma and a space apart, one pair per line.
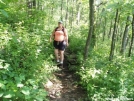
59, 35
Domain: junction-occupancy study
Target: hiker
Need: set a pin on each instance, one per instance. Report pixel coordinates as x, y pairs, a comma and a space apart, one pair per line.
60, 37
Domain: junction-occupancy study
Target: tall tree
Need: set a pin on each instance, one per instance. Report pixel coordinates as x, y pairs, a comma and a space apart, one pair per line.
113, 37
34, 3
125, 36
66, 17
104, 28
132, 39
78, 13
91, 18
110, 30
72, 14
61, 9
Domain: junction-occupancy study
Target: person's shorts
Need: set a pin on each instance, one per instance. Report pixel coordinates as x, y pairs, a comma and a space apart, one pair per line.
60, 45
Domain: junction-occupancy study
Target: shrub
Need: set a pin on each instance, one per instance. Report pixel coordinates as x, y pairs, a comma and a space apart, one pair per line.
105, 80
22, 65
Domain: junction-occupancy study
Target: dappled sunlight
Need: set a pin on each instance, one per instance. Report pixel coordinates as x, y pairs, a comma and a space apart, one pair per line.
97, 64
62, 85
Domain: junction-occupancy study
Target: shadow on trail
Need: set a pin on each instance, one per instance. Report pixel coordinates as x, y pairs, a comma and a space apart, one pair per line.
65, 87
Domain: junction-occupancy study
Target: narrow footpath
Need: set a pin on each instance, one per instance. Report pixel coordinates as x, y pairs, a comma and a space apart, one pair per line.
63, 86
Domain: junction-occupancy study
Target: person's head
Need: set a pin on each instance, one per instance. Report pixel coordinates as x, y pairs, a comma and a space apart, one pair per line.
60, 24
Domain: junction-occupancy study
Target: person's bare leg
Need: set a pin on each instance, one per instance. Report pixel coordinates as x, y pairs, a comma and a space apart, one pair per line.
61, 56
56, 51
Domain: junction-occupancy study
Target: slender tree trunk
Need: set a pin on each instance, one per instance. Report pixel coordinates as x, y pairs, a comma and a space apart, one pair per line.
34, 3
127, 42
29, 7
91, 18
132, 39
100, 21
104, 28
61, 9
99, 24
38, 4
125, 37
94, 38
78, 13
29, 4
66, 18
121, 30
113, 38
72, 15
117, 29
109, 35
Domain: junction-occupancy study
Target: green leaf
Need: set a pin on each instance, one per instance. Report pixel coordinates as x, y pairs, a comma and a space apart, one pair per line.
4, 13
27, 97
39, 98
25, 91
1, 66
22, 76
18, 79
2, 84
2, 2
9, 94
20, 85
1, 94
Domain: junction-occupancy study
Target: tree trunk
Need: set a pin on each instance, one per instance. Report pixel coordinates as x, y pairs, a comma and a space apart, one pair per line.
72, 15
38, 4
117, 30
61, 9
132, 39
66, 18
121, 30
125, 35
34, 3
99, 24
91, 18
109, 35
78, 13
104, 28
113, 38
29, 4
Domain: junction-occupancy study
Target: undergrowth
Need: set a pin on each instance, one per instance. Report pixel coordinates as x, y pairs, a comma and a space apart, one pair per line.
24, 63
104, 80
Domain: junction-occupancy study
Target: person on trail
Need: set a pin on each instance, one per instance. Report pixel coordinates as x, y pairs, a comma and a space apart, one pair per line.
60, 37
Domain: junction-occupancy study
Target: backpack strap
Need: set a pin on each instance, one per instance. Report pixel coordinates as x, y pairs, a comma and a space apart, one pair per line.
56, 29
63, 29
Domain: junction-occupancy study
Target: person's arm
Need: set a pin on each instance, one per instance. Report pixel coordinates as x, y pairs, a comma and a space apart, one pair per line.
52, 36
66, 36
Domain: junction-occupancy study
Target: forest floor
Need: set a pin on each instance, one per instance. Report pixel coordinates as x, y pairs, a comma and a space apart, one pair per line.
63, 86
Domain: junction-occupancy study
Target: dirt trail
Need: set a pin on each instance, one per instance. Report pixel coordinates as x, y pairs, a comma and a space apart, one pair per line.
63, 86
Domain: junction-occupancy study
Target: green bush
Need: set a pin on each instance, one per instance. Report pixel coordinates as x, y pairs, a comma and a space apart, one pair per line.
22, 65
102, 79
105, 80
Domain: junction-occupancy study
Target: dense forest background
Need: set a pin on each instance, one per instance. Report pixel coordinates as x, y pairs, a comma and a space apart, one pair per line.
101, 35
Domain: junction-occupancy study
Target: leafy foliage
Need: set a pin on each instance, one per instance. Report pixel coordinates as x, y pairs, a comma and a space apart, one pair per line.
104, 79
22, 65
26, 54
